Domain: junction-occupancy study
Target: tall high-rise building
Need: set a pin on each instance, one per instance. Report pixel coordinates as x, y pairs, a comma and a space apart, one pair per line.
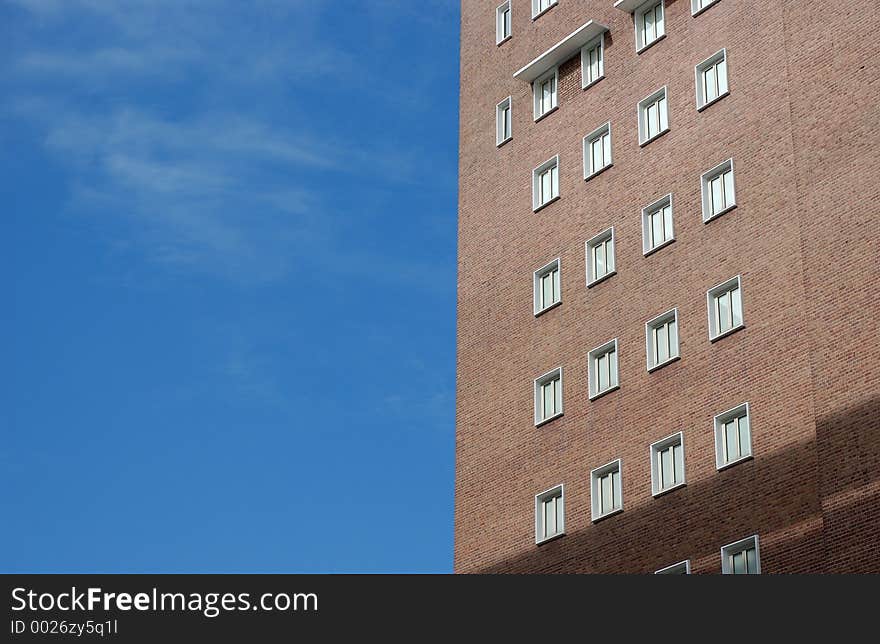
669, 287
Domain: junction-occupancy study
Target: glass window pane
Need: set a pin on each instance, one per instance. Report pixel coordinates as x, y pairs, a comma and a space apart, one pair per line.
652, 120
678, 458
717, 191
736, 307
554, 175
738, 562
658, 19
615, 477
730, 438
550, 517
557, 293
612, 368
721, 70
649, 26
751, 561
668, 468
661, 337
601, 372
598, 260
657, 236
667, 222
710, 91
744, 436
723, 319
606, 494
673, 337
729, 199
664, 117
606, 148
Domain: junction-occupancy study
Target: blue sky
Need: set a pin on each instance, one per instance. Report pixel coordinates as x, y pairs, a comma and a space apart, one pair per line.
229, 267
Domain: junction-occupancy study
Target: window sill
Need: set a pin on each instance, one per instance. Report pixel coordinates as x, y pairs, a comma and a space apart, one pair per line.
606, 515
601, 279
549, 539
741, 459
650, 44
696, 13
663, 364
598, 172
604, 392
700, 108
727, 333
718, 214
548, 420
542, 12
651, 251
547, 308
668, 490
653, 138
593, 82
503, 40
499, 144
545, 204
546, 114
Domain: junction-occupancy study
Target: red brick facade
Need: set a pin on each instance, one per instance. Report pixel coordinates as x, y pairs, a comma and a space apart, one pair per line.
801, 123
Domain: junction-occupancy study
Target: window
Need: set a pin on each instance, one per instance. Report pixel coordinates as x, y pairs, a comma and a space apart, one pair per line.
502, 22
667, 464
549, 515
741, 558
592, 64
544, 92
653, 117
699, 6
547, 287
607, 494
600, 257
733, 436
597, 151
540, 6
661, 339
711, 79
545, 183
657, 230
725, 308
503, 122
681, 568
548, 396
649, 25
603, 369
718, 191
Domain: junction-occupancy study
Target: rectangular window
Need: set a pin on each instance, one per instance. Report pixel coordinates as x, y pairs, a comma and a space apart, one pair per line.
681, 568
733, 436
592, 65
603, 369
545, 183
549, 514
502, 22
548, 396
597, 151
653, 116
698, 6
547, 287
544, 92
606, 490
600, 257
657, 230
741, 558
540, 6
661, 339
719, 195
667, 464
649, 24
503, 122
711, 79
725, 308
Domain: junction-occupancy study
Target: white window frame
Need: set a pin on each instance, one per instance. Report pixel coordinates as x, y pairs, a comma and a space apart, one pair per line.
663, 115
657, 488
740, 546
592, 365
680, 568
607, 154
539, 407
696, 9
536, 183
714, 292
557, 491
589, 245
539, 306
536, 86
595, 495
598, 42
500, 36
638, 18
740, 411
719, 57
705, 182
650, 327
537, 12
502, 137
663, 202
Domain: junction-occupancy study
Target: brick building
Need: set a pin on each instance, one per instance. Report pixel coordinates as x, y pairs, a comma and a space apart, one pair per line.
668, 345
